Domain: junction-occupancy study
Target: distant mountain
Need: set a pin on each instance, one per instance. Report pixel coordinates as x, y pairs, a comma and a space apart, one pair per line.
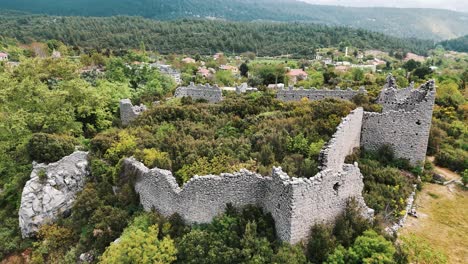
458, 44
191, 36
421, 23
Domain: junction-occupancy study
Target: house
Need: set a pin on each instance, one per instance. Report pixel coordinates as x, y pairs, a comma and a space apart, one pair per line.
327, 61
296, 75
416, 57
376, 62
3, 56
218, 55
276, 86
188, 60
168, 70
205, 72
230, 68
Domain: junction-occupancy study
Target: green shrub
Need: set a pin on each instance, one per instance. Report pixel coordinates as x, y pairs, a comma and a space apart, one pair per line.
42, 175
50, 147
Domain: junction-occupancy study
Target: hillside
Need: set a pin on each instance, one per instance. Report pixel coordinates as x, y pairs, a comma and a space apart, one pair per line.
421, 23
199, 36
458, 44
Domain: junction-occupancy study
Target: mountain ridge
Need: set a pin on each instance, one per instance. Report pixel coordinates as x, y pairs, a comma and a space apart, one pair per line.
435, 24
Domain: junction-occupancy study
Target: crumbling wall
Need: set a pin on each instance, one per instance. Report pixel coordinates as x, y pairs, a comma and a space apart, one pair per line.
404, 124
128, 112
314, 94
346, 138
323, 197
295, 203
212, 94
244, 88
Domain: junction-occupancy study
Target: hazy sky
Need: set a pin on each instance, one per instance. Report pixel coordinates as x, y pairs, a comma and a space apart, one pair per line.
458, 5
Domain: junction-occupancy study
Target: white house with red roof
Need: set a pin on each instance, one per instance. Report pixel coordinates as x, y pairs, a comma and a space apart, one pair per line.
296, 75
3, 56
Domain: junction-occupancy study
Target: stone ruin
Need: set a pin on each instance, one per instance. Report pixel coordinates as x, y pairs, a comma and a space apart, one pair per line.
314, 94
405, 121
128, 112
296, 204
51, 191
212, 94
244, 88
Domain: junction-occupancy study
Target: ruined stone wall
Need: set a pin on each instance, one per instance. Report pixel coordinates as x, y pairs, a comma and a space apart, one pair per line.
128, 112
212, 94
314, 94
404, 124
346, 138
323, 197
295, 203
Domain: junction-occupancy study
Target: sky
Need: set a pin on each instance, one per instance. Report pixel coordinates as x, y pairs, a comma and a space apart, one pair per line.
457, 5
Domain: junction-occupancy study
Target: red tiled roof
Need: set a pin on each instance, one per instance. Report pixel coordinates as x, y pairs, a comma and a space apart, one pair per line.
297, 72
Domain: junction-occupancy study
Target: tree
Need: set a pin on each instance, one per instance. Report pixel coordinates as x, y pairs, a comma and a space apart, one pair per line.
368, 248
422, 72
321, 243
141, 246
289, 254
411, 65
350, 224
244, 70
255, 249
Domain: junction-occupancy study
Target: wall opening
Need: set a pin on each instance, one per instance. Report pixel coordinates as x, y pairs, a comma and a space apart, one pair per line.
336, 187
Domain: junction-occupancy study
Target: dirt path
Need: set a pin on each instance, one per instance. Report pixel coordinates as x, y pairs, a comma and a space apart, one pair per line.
443, 218
448, 174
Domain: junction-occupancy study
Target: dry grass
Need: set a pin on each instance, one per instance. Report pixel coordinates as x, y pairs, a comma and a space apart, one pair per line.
443, 220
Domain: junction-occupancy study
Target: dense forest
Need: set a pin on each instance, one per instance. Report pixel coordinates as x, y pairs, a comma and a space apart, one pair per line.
199, 36
459, 44
427, 23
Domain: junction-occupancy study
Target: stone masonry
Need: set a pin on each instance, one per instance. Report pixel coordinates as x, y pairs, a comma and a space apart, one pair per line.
295, 203
212, 94
313, 94
405, 121
128, 112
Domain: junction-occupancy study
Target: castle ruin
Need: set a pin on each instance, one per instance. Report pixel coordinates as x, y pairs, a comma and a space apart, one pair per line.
405, 121
313, 94
128, 112
296, 204
206, 92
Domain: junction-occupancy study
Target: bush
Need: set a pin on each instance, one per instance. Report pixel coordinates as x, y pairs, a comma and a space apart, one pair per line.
368, 248
350, 224
50, 147
321, 243
454, 159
